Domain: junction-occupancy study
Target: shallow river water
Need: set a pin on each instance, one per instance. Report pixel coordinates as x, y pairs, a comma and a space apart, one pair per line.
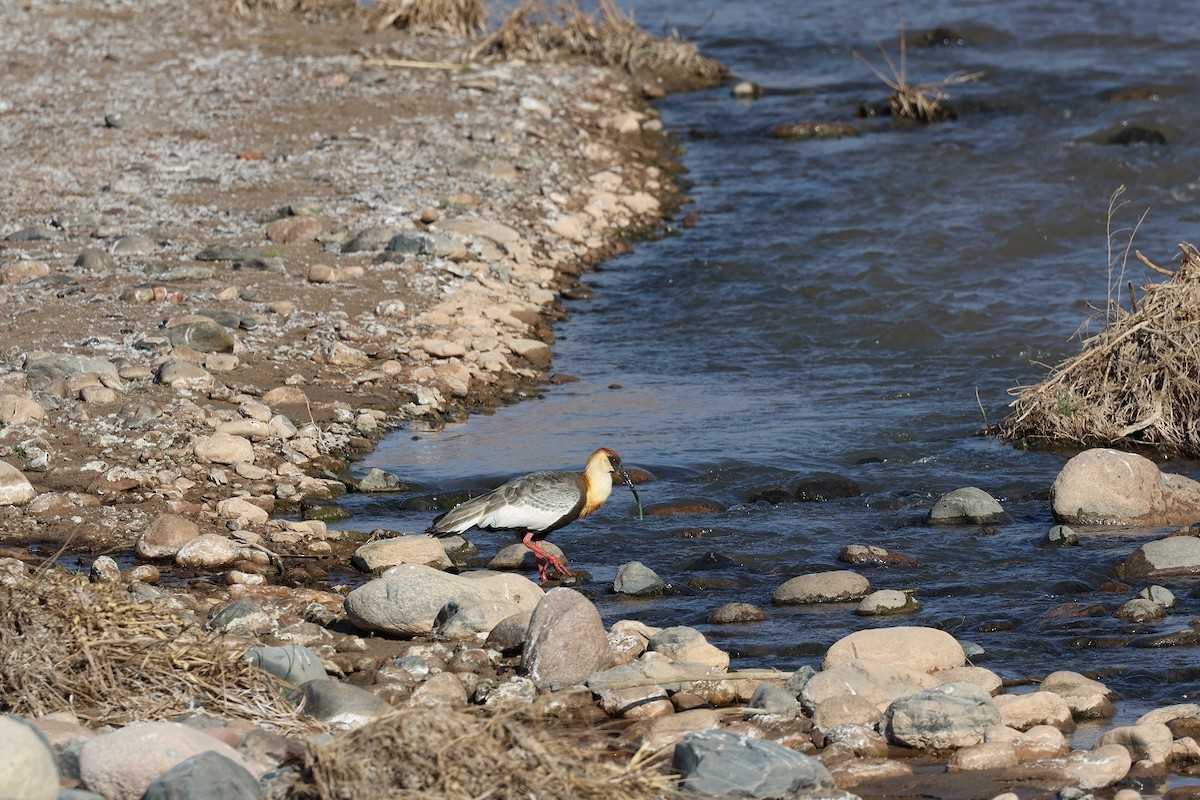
860, 306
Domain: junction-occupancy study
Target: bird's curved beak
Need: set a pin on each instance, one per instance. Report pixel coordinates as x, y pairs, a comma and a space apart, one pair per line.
624, 476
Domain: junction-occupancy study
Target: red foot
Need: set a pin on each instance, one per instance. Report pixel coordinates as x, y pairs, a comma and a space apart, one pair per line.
545, 559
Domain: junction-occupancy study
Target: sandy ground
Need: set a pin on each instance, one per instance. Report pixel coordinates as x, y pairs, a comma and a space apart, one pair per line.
167, 165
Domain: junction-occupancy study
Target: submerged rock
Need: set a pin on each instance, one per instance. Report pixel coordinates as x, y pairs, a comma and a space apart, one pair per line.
967, 505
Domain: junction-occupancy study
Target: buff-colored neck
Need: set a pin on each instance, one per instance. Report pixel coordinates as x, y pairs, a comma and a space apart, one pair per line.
597, 477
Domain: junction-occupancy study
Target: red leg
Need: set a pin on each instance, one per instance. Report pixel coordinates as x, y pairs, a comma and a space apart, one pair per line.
545, 559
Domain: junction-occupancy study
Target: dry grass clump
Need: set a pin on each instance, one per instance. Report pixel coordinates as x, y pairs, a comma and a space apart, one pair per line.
66, 644
921, 102
1135, 384
427, 753
306, 8
538, 30
466, 18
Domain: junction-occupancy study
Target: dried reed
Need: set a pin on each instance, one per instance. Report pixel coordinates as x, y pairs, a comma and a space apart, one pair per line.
1135, 384
66, 644
922, 102
426, 753
538, 30
465, 18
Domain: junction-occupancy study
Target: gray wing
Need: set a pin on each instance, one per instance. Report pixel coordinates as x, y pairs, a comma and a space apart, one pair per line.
537, 502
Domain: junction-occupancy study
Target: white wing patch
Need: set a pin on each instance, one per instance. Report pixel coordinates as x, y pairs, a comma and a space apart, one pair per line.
532, 503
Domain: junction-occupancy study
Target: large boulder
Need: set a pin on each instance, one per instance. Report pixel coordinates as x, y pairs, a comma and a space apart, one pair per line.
122, 764
566, 642
952, 715
1108, 487
406, 599
724, 763
1169, 557
924, 649
879, 682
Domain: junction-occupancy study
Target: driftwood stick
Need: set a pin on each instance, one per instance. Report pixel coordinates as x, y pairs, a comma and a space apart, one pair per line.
401, 63
1151, 264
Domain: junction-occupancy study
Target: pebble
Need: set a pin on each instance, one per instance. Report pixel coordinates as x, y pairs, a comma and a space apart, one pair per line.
668, 730
471, 619
17, 409
208, 551
878, 682
1149, 743
636, 703
886, 602
1105, 486
180, 374
1169, 557
18, 272
133, 246
293, 663
1140, 609
222, 448
821, 487
405, 549
15, 488
164, 536
683, 643
822, 587
732, 613
968, 505
290, 230
94, 259
1160, 595
637, 580
206, 337
1024, 711
519, 557
341, 705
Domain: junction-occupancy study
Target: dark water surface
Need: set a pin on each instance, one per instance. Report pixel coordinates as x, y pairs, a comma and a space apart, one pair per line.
841, 305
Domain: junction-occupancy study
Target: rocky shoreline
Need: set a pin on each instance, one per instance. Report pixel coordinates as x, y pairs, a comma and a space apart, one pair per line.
236, 253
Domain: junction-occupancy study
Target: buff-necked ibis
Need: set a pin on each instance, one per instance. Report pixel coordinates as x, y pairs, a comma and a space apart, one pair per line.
539, 504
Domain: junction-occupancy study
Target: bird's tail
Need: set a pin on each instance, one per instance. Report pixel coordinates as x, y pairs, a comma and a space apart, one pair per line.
462, 517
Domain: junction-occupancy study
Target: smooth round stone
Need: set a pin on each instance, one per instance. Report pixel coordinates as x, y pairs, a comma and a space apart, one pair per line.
822, 587
967, 505
1141, 609
732, 613
887, 601
635, 579
824, 486
1158, 594
1061, 535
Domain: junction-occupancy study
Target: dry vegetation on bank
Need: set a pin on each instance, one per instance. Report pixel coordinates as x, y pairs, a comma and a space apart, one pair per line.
462, 754
535, 30
1135, 384
91, 649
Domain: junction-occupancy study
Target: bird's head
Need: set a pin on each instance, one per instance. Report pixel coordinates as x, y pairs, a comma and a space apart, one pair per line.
608, 463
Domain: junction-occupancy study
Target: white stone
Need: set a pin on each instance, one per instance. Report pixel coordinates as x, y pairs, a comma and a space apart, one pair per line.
15, 488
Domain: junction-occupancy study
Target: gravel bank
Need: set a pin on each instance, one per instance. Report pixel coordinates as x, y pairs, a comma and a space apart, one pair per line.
234, 253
